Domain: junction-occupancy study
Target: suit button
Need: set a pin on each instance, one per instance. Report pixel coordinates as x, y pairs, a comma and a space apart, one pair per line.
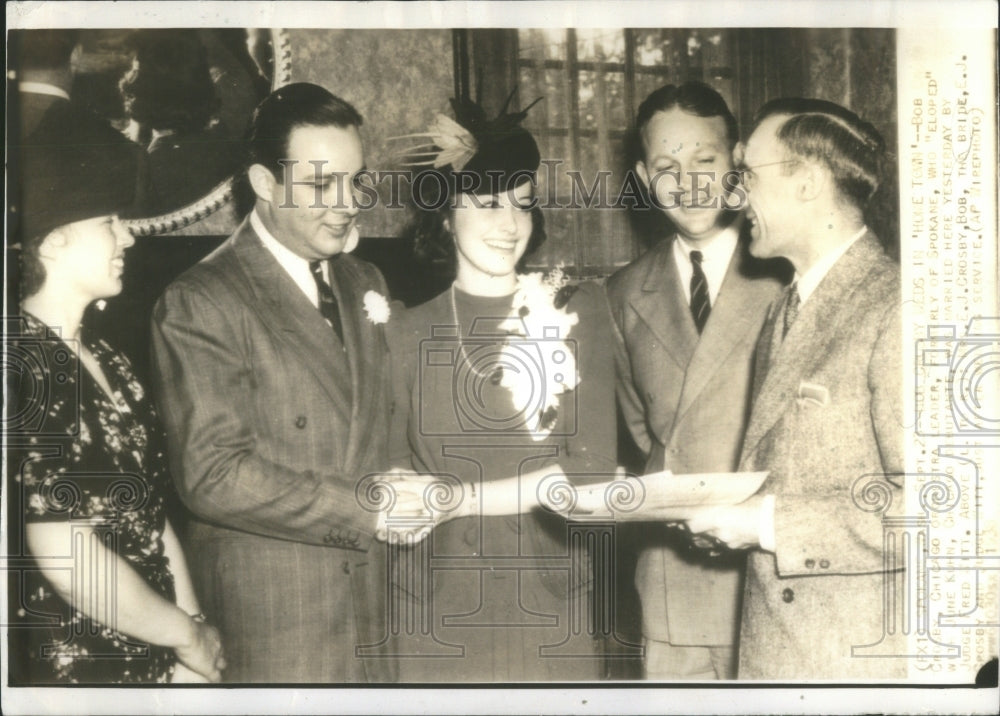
824, 563
300, 422
810, 563
787, 595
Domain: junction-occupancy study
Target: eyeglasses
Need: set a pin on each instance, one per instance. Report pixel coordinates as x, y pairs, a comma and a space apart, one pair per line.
747, 174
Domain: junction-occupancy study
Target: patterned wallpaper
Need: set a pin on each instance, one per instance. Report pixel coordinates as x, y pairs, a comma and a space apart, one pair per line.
397, 80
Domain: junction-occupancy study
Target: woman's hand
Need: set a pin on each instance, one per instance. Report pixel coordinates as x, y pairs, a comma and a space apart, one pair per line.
184, 675
202, 653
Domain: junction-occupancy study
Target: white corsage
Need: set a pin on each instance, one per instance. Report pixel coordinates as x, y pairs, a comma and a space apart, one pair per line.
539, 329
376, 306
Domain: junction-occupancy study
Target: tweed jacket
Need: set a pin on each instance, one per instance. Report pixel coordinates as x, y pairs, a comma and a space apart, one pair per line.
827, 412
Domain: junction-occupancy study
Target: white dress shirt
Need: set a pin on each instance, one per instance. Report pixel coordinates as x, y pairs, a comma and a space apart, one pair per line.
806, 286
295, 266
716, 255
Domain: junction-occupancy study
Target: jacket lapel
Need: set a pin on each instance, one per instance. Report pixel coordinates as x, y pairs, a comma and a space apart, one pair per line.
818, 324
361, 339
735, 314
286, 311
663, 308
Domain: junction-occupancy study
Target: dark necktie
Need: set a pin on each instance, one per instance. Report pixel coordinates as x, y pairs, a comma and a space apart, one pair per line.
791, 308
700, 307
327, 301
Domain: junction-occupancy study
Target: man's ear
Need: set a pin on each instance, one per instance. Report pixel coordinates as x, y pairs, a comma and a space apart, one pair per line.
811, 180
640, 169
262, 182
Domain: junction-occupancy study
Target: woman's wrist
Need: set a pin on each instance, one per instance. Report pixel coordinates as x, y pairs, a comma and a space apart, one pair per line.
471, 505
184, 633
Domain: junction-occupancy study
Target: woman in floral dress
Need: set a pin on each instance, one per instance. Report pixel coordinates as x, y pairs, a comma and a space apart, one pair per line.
103, 593
503, 382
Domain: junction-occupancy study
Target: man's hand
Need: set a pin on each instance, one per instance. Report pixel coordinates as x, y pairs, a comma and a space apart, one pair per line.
736, 525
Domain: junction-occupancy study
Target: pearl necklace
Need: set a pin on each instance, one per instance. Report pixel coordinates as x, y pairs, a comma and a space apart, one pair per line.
493, 375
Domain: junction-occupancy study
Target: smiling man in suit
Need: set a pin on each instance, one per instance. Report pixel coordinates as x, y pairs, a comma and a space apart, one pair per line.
274, 390
687, 314
828, 402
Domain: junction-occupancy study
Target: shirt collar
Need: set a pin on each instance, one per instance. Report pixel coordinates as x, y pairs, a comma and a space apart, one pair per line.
42, 88
718, 251
807, 283
294, 265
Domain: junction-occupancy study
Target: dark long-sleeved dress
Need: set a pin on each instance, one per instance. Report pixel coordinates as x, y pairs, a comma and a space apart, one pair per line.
488, 599
79, 456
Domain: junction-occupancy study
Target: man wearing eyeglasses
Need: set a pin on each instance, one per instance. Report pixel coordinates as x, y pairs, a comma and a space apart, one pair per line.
827, 407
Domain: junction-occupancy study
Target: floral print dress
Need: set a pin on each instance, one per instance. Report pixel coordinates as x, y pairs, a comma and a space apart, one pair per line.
97, 462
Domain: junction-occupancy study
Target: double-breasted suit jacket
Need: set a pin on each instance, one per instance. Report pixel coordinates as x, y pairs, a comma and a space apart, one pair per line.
686, 399
271, 423
827, 411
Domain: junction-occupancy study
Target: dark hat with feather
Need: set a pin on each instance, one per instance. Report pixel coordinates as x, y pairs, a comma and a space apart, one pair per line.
474, 154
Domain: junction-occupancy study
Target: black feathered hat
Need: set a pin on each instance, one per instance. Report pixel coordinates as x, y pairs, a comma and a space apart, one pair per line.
473, 154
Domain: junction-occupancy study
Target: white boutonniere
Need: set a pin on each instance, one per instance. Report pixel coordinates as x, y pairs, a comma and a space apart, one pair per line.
376, 306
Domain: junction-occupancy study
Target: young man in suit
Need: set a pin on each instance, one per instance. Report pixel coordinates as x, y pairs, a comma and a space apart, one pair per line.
827, 410
273, 384
687, 315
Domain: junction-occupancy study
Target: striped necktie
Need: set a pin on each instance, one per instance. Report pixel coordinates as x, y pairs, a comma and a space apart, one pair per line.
327, 301
700, 305
791, 308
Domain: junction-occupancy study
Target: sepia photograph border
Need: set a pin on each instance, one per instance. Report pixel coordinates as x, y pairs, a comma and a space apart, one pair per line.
946, 57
